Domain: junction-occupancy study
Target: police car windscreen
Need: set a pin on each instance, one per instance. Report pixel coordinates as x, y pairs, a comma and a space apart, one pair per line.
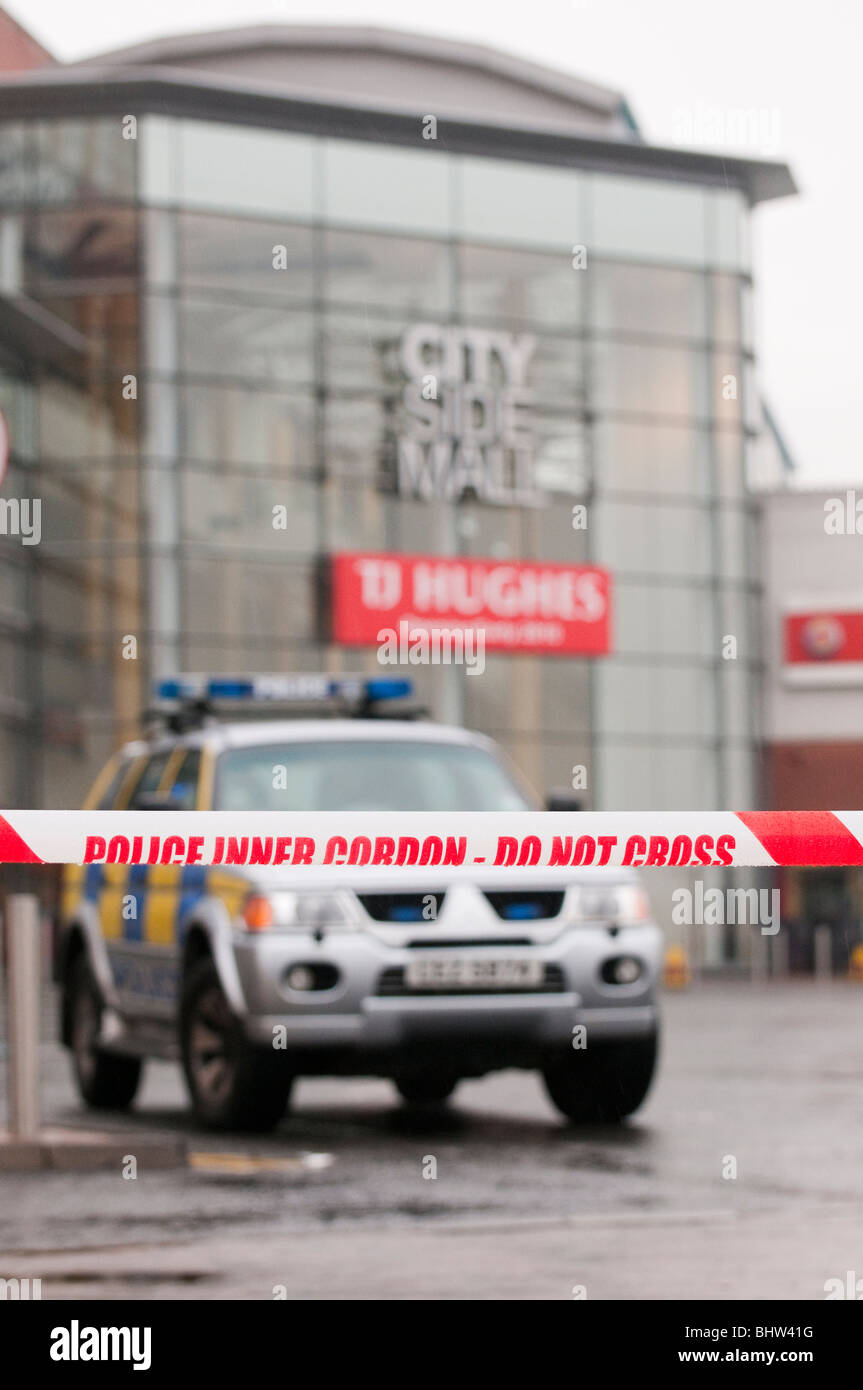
367, 776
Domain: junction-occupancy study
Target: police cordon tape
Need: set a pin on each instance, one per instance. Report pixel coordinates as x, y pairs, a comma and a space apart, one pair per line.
461, 843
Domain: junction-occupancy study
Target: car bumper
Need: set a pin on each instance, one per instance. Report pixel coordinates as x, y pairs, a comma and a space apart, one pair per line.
355, 1016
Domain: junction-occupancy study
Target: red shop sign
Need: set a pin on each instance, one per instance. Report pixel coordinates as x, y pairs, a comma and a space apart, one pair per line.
562, 610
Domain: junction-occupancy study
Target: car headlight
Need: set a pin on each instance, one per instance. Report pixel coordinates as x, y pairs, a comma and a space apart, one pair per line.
624, 904
303, 911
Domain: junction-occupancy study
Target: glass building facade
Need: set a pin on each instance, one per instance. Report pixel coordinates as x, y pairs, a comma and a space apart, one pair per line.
203, 325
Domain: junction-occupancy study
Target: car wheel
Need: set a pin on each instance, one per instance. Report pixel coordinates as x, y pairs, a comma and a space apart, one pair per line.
232, 1085
605, 1082
105, 1080
426, 1088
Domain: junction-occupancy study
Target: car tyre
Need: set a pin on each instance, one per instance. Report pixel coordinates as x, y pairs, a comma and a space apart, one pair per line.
605, 1082
105, 1080
232, 1084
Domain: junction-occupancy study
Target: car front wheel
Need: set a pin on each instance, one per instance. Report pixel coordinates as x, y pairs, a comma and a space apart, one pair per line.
232, 1085
605, 1082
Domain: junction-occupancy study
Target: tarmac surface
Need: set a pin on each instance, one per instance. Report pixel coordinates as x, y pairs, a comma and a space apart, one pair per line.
765, 1081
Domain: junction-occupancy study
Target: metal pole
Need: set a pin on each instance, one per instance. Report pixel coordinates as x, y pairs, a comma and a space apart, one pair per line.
23, 995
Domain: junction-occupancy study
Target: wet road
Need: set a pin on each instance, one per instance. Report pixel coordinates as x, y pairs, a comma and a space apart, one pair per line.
763, 1081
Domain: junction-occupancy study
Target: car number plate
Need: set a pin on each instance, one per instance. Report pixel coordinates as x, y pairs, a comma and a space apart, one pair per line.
471, 972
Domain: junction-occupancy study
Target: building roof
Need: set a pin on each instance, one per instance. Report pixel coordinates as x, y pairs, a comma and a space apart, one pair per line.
448, 77
376, 84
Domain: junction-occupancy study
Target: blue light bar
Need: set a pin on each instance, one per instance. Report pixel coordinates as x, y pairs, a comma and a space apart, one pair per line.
303, 689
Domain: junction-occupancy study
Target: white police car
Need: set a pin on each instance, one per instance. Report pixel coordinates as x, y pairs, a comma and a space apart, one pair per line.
254, 976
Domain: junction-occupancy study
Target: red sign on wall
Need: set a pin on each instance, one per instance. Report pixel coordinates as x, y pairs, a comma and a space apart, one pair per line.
562, 610
826, 636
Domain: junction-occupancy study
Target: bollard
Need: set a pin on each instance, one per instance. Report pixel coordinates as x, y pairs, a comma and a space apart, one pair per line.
758, 958
823, 954
781, 954
22, 920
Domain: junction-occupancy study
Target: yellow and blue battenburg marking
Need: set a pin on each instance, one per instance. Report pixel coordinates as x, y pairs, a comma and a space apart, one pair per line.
163, 896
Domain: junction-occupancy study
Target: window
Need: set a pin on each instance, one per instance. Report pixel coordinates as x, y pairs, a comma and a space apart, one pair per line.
648, 220
501, 200
148, 782
649, 300
406, 275
500, 285
234, 256
185, 787
365, 776
254, 170
375, 186
109, 796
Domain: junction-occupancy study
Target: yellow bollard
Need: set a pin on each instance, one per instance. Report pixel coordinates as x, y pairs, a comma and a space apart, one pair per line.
676, 974
855, 965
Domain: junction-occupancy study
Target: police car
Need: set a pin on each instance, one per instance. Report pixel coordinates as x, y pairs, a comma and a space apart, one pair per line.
256, 975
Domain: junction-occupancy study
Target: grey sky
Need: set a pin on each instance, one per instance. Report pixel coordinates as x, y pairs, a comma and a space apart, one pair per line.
761, 77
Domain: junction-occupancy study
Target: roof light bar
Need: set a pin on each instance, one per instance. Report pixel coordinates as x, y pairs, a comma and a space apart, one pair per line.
302, 689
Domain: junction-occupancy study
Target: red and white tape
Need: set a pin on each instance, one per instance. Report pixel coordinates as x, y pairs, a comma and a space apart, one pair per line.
460, 843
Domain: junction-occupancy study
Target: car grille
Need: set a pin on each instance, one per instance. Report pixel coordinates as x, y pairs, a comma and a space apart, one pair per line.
527, 905
392, 982
402, 907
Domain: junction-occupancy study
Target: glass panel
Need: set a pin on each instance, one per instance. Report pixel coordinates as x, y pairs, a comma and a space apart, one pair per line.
17, 164
646, 777
399, 274
109, 323
649, 380
235, 256
738, 697
524, 692
645, 219
501, 200
556, 372
69, 251
629, 777
376, 186
244, 340
637, 538
13, 588
561, 462
729, 452
651, 458
158, 142
501, 285
362, 352
649, 300
248, 427
233, 596
727, 386
74, 425
247, 170
239, 511
732, 543
727, 228
354, 435
85, 160
726, 324
665, 618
